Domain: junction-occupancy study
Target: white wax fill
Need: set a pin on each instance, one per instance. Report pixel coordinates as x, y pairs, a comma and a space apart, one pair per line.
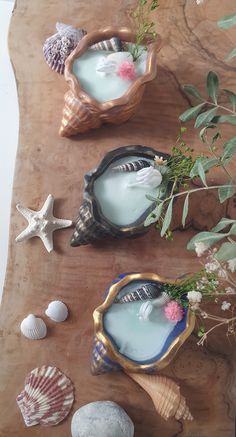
137, 339
120, 204
102, 88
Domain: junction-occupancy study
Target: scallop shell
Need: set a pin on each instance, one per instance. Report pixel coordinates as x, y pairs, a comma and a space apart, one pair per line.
146, 292
165, 395
132, 166
113, 44
58, 47
47, 397
57, 311
33, 327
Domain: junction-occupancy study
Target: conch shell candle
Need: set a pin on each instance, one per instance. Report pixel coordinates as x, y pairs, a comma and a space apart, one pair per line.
124, 340
88, 102
115, 195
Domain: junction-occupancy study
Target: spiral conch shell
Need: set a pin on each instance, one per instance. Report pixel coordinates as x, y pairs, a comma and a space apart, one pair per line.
165, 395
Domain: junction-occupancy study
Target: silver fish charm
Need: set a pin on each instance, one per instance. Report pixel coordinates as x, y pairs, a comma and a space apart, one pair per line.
146, 292
112, 45
132, 166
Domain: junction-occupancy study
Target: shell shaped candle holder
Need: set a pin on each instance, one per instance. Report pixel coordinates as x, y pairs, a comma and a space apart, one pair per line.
107, 355
91, 224
82, 112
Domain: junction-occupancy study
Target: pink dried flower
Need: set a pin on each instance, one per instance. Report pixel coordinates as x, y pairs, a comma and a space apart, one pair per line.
173, 311
126, 71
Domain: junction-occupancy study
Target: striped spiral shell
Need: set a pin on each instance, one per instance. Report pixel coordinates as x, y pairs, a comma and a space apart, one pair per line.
112, 45
132, 166
165, 395
146, 292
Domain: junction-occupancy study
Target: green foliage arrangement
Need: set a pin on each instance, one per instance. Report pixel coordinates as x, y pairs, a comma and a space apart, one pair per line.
225, 23
143, 25
221, 155
210, 114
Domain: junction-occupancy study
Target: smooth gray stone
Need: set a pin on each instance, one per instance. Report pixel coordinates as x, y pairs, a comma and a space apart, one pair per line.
101, 419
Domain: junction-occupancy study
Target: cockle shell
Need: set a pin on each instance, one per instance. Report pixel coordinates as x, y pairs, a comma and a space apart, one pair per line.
146, 292
58, 47
33, 327
132, 166
57, 311
47, 397
147, 177
106, 66
113, 44
165, 395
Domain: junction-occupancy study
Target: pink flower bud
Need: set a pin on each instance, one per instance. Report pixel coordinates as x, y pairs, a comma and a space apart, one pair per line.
173, 311
126, 71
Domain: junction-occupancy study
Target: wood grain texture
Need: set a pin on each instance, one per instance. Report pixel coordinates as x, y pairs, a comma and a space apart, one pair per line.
46, 163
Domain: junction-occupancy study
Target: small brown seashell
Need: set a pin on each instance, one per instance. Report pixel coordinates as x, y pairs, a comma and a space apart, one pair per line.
165, 395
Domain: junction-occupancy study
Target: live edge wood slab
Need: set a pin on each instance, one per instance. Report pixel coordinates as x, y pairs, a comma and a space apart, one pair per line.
192, 44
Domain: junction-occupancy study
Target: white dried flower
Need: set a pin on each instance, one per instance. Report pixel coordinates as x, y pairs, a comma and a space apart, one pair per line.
195, 306
225, 305
232, 264
204, 315
199, 2
194, 296
222, 273
200, 285
200, 248
211, 267
230, 290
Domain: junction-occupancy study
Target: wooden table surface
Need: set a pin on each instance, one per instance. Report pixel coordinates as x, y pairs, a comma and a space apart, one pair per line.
46, 163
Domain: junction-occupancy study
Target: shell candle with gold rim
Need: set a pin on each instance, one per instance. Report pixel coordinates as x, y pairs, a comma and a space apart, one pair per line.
124, 340
115, 195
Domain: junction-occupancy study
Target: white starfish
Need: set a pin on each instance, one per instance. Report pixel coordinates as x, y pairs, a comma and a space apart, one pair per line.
42, 223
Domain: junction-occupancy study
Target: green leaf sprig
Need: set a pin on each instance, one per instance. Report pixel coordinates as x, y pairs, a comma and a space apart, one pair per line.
143, 25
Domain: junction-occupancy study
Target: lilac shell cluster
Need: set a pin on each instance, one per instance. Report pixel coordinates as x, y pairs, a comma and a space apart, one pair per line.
59, 46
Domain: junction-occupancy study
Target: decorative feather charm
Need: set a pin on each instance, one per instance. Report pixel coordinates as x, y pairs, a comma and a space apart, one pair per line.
146, 292
165, 395
132, 166
147, 177
106, 66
